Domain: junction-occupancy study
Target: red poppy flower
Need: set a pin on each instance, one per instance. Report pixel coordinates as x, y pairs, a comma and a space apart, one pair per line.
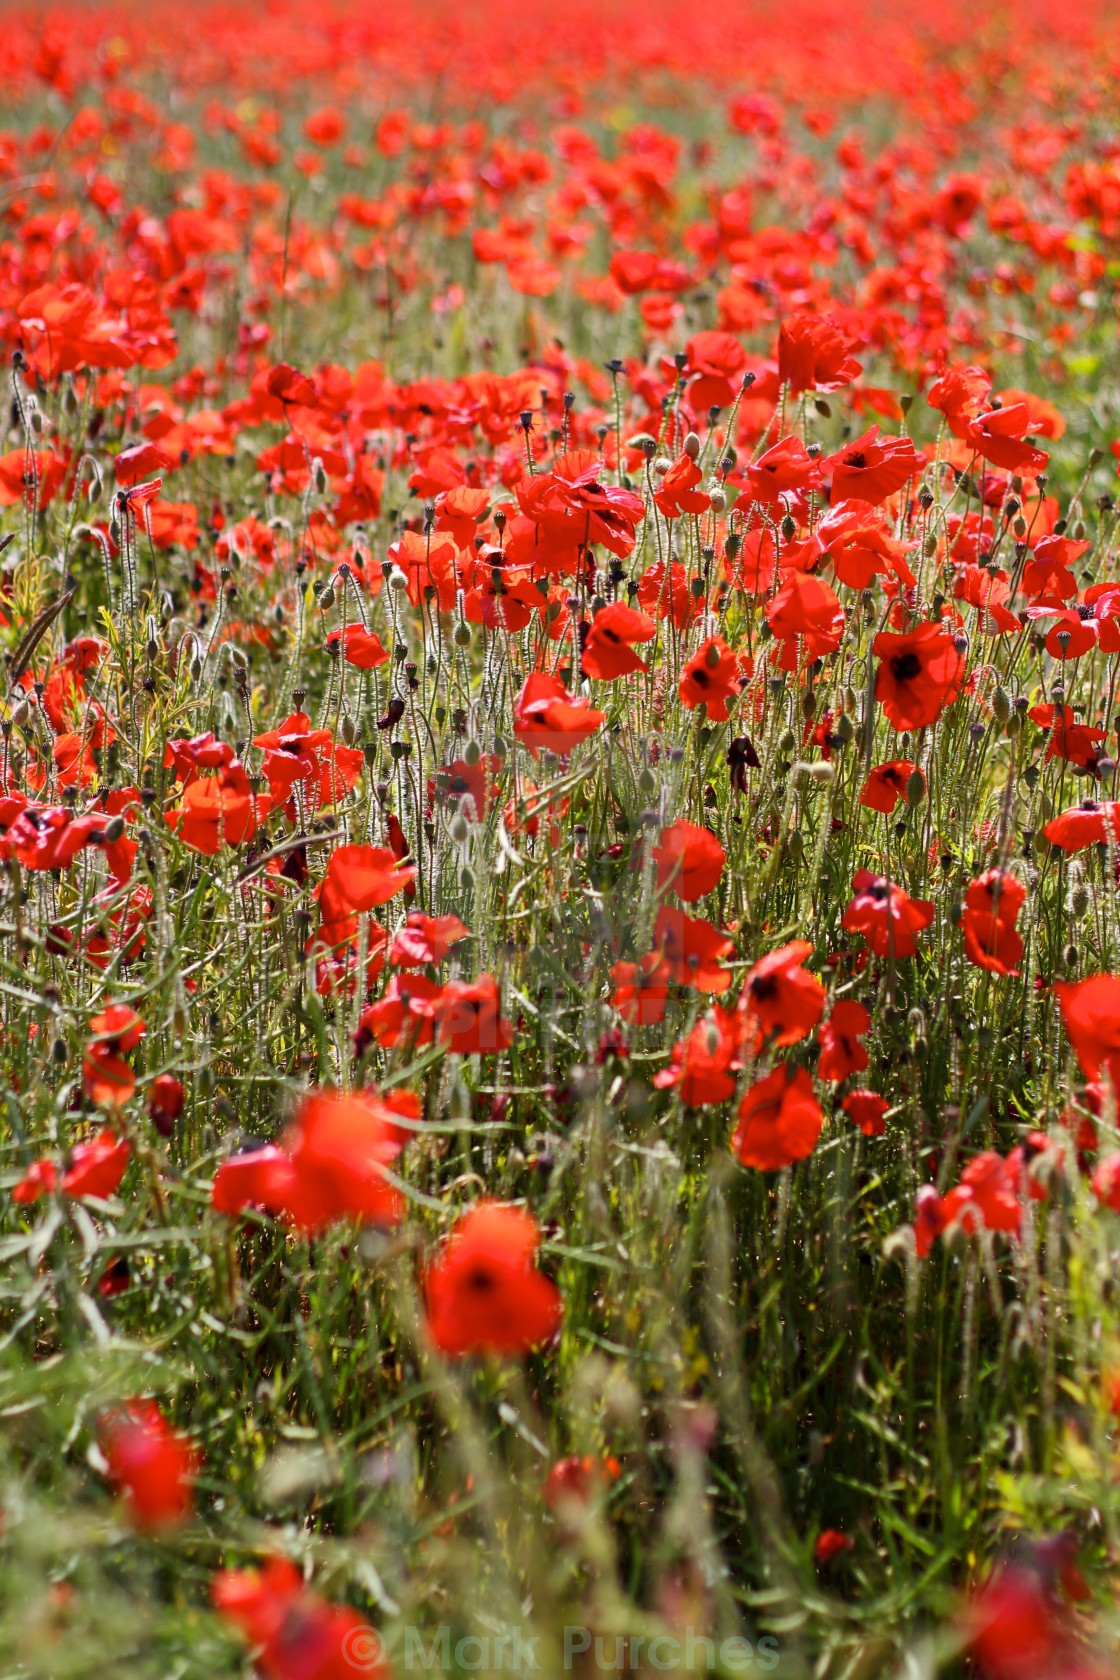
780, 998
991, 907
40, 1179
576, 1480
841, 1052
886, 784
97, 1167
297, 1634
785, 469
866, 1109
426, 939
1075, 742
483, 1291
429, 567
608, 652
166, 1098
1091, 1016
919, 675
779, 1120
572, 507
641, 989
1084, 824
1106, 1188
547, 716
339, 1144
150, 1463
470, 1020
360, 647
357, 879
805, 609
998, 435
872, 467
469, 788
887, 918
714, 365
831, 1544
693, 950
1081, 626
987, 1196
814, 354
219, 810
404, 1013
704, 1064
254, 1178
713, 677
689, 860
677, 492
856, 539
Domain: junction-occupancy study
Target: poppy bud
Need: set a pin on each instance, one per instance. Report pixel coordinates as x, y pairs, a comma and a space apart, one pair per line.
808, 704
397, 579
795, 844
711, 658
717, 499
472, 752
956, 912
1079, 899
466, 879
1001, 704
915, 788
820, 771
459, 829
789, 527
320, 478
843, 730
787, 741
691, 446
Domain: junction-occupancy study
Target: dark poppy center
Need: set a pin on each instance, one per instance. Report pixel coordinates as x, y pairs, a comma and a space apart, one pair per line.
859, 459
480, 1281
906, 666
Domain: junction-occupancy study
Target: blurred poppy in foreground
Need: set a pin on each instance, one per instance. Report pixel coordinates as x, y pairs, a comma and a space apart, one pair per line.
483, 1291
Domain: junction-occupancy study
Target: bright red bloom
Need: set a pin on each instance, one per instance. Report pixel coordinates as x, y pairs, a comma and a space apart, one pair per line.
919, 675
886, 784
1091, 1016
866, 1109
781, 998
714, 676
608, 651
166, 1098
40, 1179
1084, 824
887, 918
360, 647
689, 860
872, 467
693, 950
572, 507
677, 492
779, 1120
358, 878
219, 810
298, 1634
483, 1291
97, 1167
1075, 742
152, 1465
705, 1063
831, 1544
805, 609
814, 354
575, 1480
547, 716
470, 1020
991, 907
426, 939
641, 989
841, 1052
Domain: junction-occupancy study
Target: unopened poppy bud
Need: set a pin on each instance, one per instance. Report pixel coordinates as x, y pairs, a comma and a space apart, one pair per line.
115, 530
472, 752
843, 730
1020, 528
711, 658
462, 635
696, 589
1001, 704
717, 499
320, 478
349, 731
691, 446
60, 1052
789, 527
1079, 898
647, 782
956, 911
326, 597
35, 420
787, 741
820, 771
929, 547
397, 579
1070, 955
808, 704
21, 712
661, 466
466, 879
915, 788
1079, 531
70, 398
795, 845
459, 829
113, 830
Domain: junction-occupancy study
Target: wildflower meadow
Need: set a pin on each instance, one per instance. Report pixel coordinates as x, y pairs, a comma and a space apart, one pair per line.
559, 840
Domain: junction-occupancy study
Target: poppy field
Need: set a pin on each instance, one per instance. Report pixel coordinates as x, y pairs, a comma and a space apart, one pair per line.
559, 840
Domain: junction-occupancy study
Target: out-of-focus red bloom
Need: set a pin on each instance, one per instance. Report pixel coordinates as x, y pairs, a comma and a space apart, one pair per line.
779, 1120
357, 879
97, 1167
888, 919
426, 939
576, 1480
704, 1064
919, 674
714, 366
831, 1544
641, 989
714, 676
106, 1075
689, 860
1084, 825
693, 950
1105, 1185
1091, 1016
298, 1635
886, 784
814, 354
987, 1197
780, 998
40, 1179
469, 1018
991, 908
866, 1109
152, 1465
608, 652
1015, 1632
483, 1291
841, 1052
547, 716
166, 1097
